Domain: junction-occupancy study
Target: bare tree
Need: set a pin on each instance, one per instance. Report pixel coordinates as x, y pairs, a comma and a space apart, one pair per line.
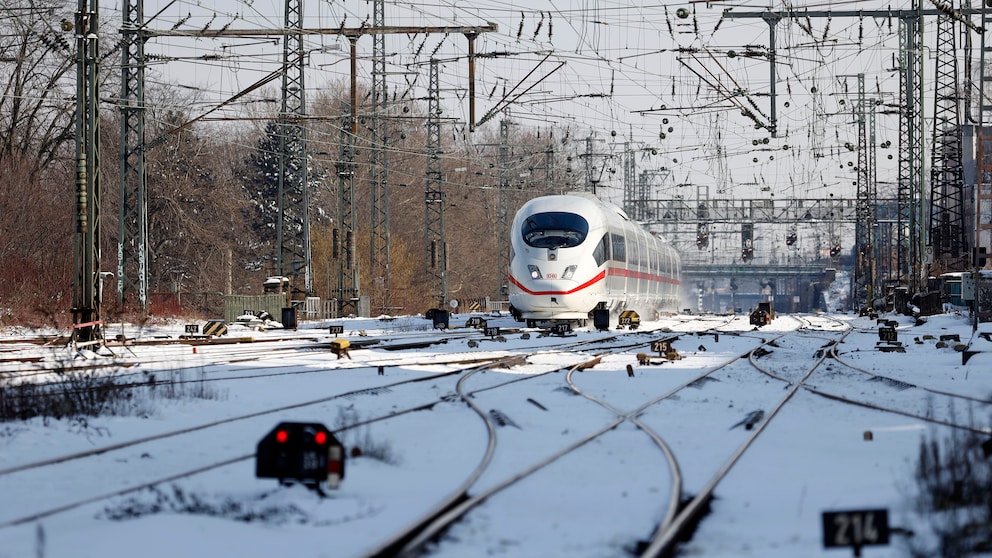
194, 211
35, 247
36, 63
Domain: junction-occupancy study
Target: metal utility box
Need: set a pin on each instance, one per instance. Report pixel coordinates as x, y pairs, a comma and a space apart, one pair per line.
289, 317
768, 309
760, 317
440, 318
601, 319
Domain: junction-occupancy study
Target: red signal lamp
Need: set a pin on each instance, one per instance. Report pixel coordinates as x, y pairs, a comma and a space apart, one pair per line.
282, 436
320, 438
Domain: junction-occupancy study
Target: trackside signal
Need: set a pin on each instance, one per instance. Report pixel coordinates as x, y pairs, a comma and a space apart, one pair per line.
301, 452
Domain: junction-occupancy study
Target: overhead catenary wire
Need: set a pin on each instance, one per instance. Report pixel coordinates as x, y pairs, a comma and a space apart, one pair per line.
612, 66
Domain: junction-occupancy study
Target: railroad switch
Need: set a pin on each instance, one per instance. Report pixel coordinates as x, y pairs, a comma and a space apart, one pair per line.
340, 347
750, 420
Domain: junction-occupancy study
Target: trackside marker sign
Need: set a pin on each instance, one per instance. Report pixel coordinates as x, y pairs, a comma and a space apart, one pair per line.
855, 529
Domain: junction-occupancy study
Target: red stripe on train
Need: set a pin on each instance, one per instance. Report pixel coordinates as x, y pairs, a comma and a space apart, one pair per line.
589, 283
632, 274
614, 271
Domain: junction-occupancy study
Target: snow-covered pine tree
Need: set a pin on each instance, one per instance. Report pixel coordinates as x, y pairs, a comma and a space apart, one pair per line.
261, 186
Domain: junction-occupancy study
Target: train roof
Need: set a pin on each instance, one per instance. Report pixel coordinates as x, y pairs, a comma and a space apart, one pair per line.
559, 201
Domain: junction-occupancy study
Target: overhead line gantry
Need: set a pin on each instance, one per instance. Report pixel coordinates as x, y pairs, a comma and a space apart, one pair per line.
911, 161
133, 239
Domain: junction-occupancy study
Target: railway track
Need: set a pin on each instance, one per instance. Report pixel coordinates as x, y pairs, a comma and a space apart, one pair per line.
515, 388
506, 479
457, 364
681, 515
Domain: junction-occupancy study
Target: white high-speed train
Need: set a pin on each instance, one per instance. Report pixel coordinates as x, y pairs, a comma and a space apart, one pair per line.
572, 254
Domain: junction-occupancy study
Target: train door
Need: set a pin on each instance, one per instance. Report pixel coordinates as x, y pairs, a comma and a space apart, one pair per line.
652, 267
617, 277
634, 287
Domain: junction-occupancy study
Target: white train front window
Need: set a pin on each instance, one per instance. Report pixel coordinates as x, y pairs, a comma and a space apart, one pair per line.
555, 229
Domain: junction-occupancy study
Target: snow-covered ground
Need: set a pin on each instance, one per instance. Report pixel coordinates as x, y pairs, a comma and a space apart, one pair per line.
813, 457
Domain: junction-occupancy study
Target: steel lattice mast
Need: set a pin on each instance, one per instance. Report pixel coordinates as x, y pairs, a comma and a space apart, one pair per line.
946, 215
344, 234
864, 269
132, 240
379, 241
911, 168
86, 286
437, 256
880, 259
293, 258
590, 185
630, 182
502, 206
549, 168
983, 199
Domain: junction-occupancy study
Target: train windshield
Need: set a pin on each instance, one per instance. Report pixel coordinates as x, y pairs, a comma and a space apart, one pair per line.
555, 229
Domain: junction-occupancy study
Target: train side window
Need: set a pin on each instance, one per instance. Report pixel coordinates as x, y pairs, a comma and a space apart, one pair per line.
602, 251
619, 247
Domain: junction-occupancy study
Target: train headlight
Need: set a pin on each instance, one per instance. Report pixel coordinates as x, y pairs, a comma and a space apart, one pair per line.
535, 272
569, 271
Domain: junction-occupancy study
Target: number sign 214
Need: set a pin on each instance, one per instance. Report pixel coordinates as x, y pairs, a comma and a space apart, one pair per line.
855, 528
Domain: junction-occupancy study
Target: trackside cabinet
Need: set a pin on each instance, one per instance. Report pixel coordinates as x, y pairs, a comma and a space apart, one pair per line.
302, 452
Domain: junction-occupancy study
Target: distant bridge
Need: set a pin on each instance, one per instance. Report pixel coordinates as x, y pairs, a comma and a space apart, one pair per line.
796, 288
682, 211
